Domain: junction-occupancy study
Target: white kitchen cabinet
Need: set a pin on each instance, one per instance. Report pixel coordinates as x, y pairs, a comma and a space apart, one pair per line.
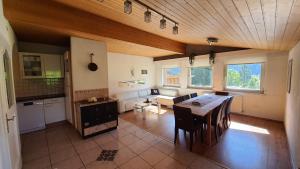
36, 65
31, 115
54, 110
31, 65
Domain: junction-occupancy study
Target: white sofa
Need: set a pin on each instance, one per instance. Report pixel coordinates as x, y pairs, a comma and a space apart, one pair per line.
127, 100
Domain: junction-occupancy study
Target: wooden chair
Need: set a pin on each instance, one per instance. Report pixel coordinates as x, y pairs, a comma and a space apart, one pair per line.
227, 112
185, 120
221, 93
217, 119
194, 95
186, 97
178, 99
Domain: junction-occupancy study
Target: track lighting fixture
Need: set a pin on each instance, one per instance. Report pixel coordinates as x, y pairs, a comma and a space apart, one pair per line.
147, 16
127, 6
175, 29
163, 23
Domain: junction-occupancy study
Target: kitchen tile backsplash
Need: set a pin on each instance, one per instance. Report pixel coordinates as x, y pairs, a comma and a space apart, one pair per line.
37, 87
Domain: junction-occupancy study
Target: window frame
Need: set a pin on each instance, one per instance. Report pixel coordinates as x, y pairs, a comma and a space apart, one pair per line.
189, 78
260, 90
164, 77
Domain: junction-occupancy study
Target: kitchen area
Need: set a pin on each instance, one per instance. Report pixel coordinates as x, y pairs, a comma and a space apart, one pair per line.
41, 84
47, 93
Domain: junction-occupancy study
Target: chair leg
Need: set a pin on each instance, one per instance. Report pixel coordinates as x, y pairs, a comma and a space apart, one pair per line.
216, 133
201, 133
175, 135
184, 133
191, 139
220, 128
228, 120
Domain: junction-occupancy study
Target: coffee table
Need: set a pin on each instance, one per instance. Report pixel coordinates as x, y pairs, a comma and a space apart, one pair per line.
141, 106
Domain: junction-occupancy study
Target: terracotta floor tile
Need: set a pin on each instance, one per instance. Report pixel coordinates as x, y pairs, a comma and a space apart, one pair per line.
104, 138
123, 156
85, 145
139, 146
119, 133
40, 163
71, 163
152, 156
90, 156
129, 139
169, 163
59, 146
151, 139
62, 155
113, 145
101, 165
136, 163
165, 147
183, 156
35, 154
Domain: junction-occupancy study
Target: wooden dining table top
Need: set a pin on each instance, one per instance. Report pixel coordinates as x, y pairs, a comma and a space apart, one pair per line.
202, 105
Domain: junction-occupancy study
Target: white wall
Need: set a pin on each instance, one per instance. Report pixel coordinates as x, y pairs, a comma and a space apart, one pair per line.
119, 66
83, 78
269, 105
7, 41
292, 114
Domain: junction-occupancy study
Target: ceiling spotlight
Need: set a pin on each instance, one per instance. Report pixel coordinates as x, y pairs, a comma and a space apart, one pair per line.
127, 6
175, 29
147, 16
163, 23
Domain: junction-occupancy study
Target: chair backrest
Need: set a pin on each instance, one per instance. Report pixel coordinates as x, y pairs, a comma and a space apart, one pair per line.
227, 107
178, 99
194, 95
218, 113
221, 93
183, 118
186, 97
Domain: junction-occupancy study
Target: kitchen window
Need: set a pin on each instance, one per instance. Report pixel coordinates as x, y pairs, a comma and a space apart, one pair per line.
171, 76
200, 77
244, 77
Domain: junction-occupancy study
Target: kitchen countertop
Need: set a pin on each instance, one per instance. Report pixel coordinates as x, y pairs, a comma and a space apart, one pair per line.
30, 98
84, 103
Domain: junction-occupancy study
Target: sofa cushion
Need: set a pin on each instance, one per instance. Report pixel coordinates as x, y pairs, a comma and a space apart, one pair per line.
154, 92
143, 93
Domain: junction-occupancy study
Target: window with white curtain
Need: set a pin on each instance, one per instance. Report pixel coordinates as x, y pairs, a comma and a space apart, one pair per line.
171, 76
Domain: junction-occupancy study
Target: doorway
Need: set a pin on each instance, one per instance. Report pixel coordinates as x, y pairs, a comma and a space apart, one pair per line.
10, 152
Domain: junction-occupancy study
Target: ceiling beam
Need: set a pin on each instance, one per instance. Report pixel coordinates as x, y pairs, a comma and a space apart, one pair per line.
197, 50
74, 22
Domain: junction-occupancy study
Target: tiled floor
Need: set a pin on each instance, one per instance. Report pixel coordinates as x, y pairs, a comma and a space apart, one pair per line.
61, 147
249, 143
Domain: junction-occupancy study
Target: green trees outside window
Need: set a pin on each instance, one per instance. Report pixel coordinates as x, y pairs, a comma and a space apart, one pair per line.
244, 76
201, 77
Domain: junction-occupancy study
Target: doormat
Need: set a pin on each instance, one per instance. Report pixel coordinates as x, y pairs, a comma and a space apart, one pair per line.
107, 155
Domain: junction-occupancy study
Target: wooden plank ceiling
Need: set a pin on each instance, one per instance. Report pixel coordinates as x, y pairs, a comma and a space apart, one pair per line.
33, 33
261, 24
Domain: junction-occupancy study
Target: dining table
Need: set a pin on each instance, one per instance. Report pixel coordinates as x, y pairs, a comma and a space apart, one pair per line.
203, 106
